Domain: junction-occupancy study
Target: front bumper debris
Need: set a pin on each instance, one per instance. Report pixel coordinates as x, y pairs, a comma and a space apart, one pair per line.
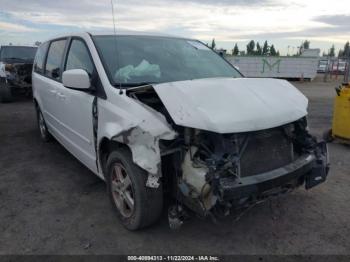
320, 168
311, 169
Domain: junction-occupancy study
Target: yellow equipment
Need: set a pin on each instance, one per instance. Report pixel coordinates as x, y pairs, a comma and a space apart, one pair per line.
341, 118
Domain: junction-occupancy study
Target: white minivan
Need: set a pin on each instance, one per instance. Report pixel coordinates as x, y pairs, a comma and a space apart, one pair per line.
158, 116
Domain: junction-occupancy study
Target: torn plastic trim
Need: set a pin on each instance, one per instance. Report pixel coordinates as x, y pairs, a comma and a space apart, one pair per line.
145, 150
144, 147
143, 140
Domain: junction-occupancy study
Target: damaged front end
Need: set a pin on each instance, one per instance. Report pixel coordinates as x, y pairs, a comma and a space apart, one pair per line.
216, 172
17, 75
211, 172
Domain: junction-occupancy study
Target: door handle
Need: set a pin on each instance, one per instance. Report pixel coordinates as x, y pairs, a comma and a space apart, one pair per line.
54, 92
61, 96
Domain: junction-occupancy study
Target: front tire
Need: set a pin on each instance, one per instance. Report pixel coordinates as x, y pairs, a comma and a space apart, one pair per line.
5, 92
136, 205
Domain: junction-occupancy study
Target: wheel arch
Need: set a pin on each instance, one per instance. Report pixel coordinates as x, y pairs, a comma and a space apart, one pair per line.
105, 148
37, 103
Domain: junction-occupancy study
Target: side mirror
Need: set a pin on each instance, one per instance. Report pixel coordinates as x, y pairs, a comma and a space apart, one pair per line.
76, 79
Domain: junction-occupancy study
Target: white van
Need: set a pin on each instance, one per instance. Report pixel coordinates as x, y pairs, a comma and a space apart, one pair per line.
157, 116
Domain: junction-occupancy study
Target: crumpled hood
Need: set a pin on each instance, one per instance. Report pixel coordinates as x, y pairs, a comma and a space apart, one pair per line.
230, 105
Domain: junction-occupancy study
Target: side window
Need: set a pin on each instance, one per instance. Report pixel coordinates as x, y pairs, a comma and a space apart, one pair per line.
54, 59
79, 58
39, 58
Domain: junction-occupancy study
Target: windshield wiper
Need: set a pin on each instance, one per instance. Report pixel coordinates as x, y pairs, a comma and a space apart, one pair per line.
17, 58
126, 85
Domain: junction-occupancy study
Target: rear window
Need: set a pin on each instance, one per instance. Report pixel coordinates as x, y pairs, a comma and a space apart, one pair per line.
40, 58
17, 54
54, 59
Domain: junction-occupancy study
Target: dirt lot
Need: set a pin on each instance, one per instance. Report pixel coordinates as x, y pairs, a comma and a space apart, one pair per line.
51, 204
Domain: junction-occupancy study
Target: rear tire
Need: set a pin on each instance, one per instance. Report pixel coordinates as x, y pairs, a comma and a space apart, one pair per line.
136, 205
5, 92
44, 132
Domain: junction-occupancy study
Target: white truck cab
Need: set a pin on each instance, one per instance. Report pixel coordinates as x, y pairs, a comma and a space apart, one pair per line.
158, 116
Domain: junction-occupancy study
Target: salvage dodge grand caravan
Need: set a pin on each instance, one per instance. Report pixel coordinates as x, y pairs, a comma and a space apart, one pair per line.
157, 116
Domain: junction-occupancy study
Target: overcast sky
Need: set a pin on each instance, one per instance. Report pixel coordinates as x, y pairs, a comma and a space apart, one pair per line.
284, 23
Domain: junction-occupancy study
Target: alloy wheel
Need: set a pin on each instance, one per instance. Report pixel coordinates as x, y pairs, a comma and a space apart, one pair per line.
42, 125
122, 190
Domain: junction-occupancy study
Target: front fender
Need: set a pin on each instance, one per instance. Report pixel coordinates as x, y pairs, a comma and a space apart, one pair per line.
140, 128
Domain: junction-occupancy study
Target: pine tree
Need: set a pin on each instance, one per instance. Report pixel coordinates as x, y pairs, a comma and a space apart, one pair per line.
306, 44
213, 44
265, 50
258, 49
235, 50
251, 47
273, 51
331, 52
346, 52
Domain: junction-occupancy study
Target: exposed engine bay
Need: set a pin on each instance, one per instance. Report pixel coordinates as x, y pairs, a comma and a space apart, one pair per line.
210, 172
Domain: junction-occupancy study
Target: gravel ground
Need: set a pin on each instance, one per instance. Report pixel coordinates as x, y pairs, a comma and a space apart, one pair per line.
52, 204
